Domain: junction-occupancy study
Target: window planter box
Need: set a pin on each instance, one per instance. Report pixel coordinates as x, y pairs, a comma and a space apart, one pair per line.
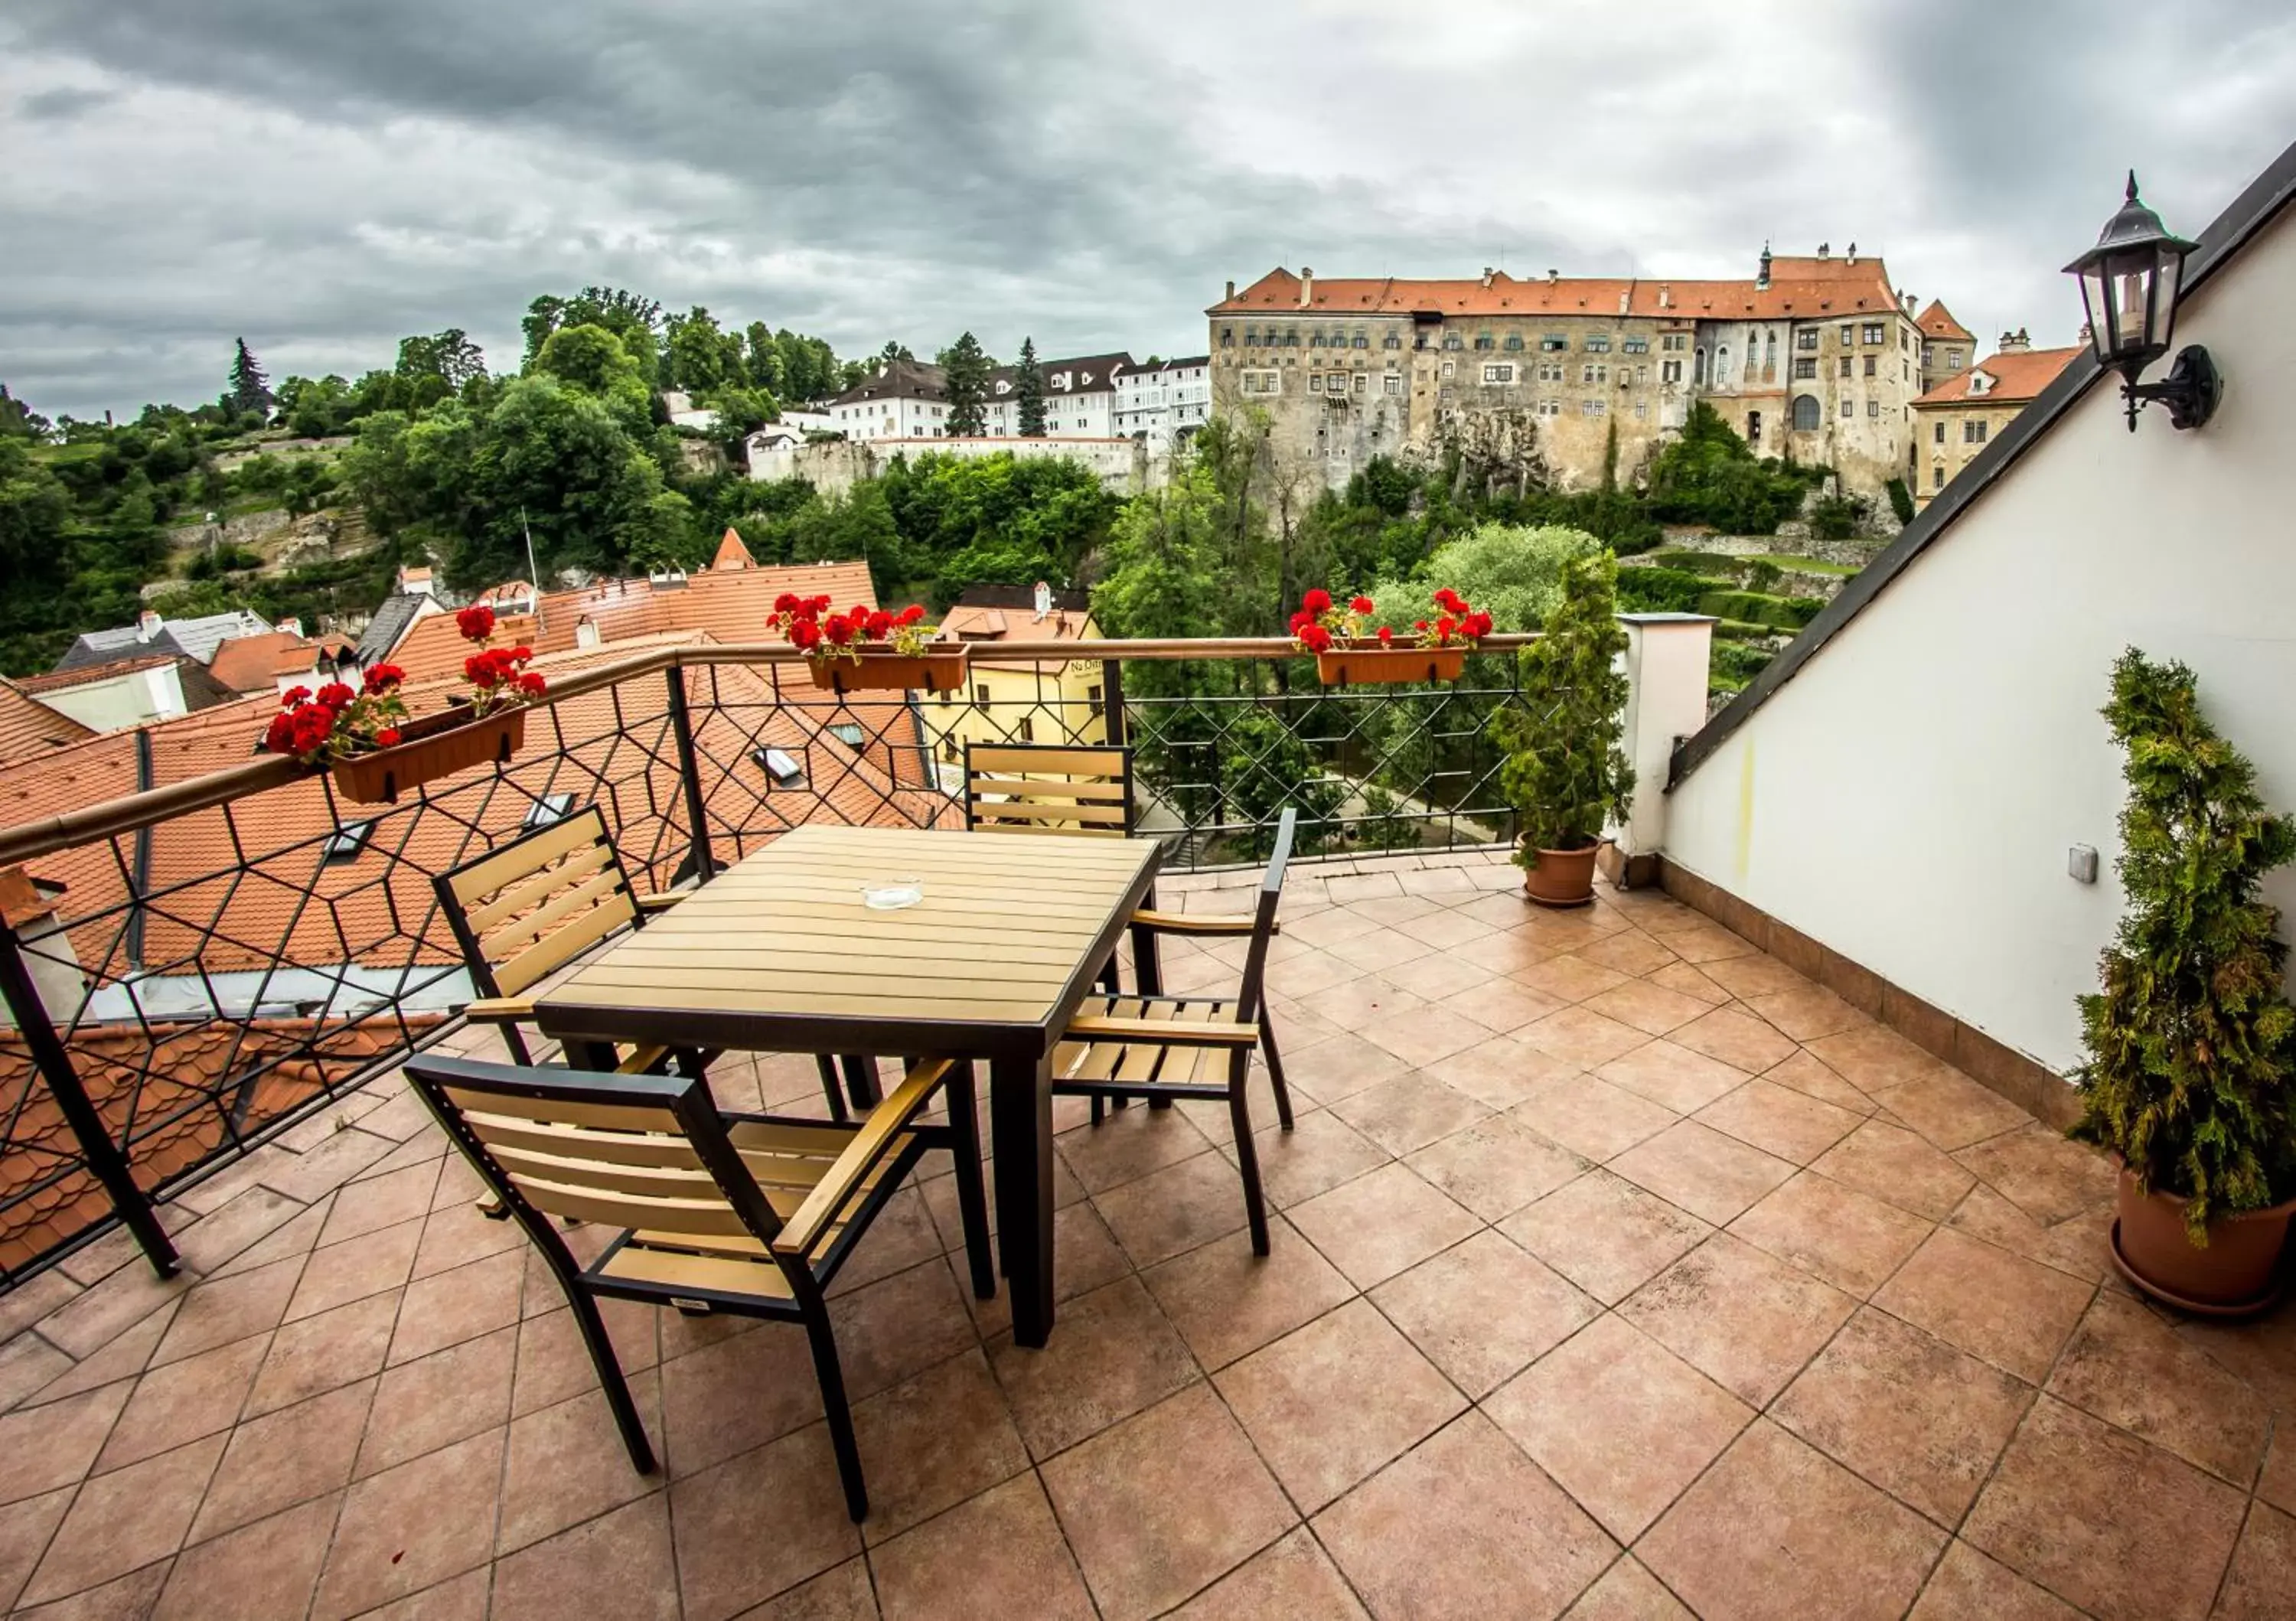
435, 746
1374, 665
880, 669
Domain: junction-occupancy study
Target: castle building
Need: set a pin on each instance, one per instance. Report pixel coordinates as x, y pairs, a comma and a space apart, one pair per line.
1948, 348
1813, 358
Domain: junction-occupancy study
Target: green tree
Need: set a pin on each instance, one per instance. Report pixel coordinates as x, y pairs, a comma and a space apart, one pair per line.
634, 318
250, 390
1266, 767
592, 359
2191, 1041
449, 356
18, 420
965, 378
761, 360
1710, 476
700, 359
1028, 393
1512, 572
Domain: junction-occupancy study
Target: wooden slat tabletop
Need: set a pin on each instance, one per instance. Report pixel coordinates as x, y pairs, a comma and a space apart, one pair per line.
779, 952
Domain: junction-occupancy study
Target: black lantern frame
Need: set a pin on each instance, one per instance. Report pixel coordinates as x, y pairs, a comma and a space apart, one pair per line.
2130, 282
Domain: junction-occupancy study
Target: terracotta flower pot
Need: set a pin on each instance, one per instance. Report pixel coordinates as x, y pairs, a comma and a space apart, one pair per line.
1563, 878
1370, 664
882, 669
2238, 1273
436, 745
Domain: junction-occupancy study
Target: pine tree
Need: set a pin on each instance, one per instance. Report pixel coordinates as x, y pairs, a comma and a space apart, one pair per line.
2191, 1042
1028, 393
250, 389
1565, 773
966, 376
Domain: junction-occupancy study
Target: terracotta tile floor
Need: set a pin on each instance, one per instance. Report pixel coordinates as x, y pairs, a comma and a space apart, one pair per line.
1618, 1272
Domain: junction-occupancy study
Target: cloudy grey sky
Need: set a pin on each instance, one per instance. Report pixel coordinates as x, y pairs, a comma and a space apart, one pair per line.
324, 177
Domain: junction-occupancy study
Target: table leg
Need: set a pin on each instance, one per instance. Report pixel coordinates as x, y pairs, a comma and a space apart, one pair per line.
861, 1081
1021, 1123
1147, 972
596, 1056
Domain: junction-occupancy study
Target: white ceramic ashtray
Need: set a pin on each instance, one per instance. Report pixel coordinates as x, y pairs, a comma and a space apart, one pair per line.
893, 894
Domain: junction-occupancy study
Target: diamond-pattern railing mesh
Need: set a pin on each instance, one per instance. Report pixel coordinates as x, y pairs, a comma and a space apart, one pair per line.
215, 972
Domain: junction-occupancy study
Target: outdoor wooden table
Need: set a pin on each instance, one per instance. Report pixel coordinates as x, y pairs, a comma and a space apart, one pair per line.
778, 953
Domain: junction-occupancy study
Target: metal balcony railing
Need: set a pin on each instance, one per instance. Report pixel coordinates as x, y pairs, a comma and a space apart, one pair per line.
231, 950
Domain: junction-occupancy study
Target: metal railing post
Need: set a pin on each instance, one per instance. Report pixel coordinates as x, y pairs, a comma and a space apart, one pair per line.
104, 1160
689, 773
1111, 701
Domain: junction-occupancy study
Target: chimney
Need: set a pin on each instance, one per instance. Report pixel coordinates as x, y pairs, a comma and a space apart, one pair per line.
1552, 276
1665, 297
1853, 253
1042, 599
1231, 293
147, 625
1487, 276
2015, 343
1825, 250
292, 626
1306, 287
1625, 299
586, 632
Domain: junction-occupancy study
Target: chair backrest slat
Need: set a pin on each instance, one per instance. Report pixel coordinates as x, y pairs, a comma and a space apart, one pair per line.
639, 1151
474, 880
554, 951
1263, 918
525, 893
1033, 787
526, 910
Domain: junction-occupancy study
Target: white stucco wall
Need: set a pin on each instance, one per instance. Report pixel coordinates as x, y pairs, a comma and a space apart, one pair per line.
1909, 796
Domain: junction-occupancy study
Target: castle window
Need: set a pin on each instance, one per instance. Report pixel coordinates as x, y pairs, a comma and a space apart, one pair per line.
1806, 365
1291, 338
1870, 359
1937, 478
1871, 332
1483, 340
1973, 432
1362, 342
1847, 332
1513, 342
1452, 340
1393, 340
1501, 371
1806, 338
1845, 365
1315, 382
1938, 436
1592, 408
1314, 340
1673, 341
1263, 383
1805, 416
1251, 338
1635, 346
1395, 382
1873, 408
1849, 407
1598, 343
1552, 341
1227, 337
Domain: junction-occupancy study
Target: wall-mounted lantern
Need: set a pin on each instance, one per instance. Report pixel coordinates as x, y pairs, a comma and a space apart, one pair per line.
2130, 281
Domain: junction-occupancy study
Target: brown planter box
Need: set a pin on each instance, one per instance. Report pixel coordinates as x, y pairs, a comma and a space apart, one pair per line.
436, 745
1375, 664
882, 670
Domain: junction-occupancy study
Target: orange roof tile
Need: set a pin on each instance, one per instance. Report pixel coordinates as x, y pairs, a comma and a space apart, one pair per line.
29, 726
1806, 288
1936, 322
254, 663
731, 553
2016, 378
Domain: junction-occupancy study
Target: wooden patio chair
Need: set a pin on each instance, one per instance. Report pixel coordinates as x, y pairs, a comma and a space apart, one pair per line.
524, 910
746, 1214
1048, 788
1194, 1046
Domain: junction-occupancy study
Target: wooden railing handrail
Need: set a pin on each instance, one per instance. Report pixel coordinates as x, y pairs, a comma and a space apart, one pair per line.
128, 813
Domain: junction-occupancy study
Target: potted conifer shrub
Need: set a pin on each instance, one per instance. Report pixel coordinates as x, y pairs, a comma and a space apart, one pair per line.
1565, 773
2191, 1041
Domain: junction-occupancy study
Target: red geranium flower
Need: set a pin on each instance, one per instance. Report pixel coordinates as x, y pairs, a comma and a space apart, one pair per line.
476, 622
532, 684
1362, 604
1317, 602
1386, 637
387, 738
879, 624
1315, 639
913, 613
805, 634
334, 695
383, 677
839, 631
292, 696
280, 737
478, 671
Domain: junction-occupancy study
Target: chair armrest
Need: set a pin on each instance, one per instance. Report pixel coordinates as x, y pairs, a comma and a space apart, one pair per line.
1176, 922
1167, 1032
869, 1144
499, 1010
660, 903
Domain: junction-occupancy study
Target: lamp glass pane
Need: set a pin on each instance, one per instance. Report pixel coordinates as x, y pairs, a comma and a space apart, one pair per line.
2093, 297
2164, 296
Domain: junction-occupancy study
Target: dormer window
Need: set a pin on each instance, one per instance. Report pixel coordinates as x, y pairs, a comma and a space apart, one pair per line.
782, 767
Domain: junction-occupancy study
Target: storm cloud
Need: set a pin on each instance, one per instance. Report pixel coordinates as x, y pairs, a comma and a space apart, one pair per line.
324, 178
